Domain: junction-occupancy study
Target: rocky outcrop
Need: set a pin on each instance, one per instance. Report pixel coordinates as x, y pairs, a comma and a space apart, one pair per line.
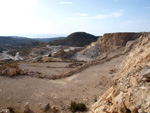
108, 43
131, 90
11, 69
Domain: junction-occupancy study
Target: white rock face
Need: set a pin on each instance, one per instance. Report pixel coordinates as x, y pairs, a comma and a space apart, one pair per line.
131, 91
108, 43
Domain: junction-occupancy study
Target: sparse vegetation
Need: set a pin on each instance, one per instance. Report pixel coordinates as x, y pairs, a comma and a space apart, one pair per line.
1, 49
11, 109
74, 106
22, 52
21, 45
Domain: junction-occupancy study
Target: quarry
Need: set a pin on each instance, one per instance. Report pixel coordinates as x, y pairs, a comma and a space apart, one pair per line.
106, 76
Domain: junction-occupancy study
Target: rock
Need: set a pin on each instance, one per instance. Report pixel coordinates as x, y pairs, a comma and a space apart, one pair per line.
5, 111
54, 109
145, 72
12, 72
133, 81
134, 93
26, 107
141, 111
45, 107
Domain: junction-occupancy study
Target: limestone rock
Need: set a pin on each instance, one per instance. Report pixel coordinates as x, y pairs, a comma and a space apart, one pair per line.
133, 81
110, 42
54, 109
26, 107
45, 107
145, 72
10, 70
130, 94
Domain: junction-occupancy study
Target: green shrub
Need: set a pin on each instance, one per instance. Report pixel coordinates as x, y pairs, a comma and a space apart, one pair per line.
77, 106
81, 107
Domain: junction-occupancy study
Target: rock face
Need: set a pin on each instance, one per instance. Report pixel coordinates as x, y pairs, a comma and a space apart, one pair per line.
131, 90
109, 42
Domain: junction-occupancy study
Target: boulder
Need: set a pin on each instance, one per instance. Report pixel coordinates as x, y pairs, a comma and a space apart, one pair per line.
26, 107
54, 109
45, 107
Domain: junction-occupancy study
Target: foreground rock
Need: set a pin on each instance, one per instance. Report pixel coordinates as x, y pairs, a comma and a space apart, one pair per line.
45, 107
26, 107
131, 90
10, 69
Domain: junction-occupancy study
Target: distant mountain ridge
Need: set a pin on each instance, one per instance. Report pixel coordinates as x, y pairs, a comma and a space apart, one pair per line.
48, 39
15, 40
75, 39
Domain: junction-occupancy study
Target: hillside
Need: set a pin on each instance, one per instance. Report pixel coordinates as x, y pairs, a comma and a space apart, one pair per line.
17, 44
79, 39
108, 43
131, 91
48, 39
14, 40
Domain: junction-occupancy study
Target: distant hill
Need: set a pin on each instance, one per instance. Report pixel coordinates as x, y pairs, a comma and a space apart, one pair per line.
75, 39
48, 39
15, 40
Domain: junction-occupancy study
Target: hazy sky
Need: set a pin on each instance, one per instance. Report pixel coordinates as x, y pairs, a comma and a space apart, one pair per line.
62, 17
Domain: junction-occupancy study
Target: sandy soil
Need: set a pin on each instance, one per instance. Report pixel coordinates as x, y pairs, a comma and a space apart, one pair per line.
85, 87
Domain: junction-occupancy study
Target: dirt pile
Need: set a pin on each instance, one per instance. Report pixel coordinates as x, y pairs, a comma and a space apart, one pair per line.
11, 69
131, 90
108, 43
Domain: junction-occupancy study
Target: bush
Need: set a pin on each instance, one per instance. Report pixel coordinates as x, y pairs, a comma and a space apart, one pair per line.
22, 52
11, 109
77, 106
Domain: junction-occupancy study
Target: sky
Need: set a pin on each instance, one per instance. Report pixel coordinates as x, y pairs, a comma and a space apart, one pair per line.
50, 18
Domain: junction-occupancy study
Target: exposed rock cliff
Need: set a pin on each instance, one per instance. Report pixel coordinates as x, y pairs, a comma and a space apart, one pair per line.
108, 43
131, 90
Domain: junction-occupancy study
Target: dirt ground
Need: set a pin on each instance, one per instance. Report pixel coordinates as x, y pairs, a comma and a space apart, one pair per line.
51, 68
85, 87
